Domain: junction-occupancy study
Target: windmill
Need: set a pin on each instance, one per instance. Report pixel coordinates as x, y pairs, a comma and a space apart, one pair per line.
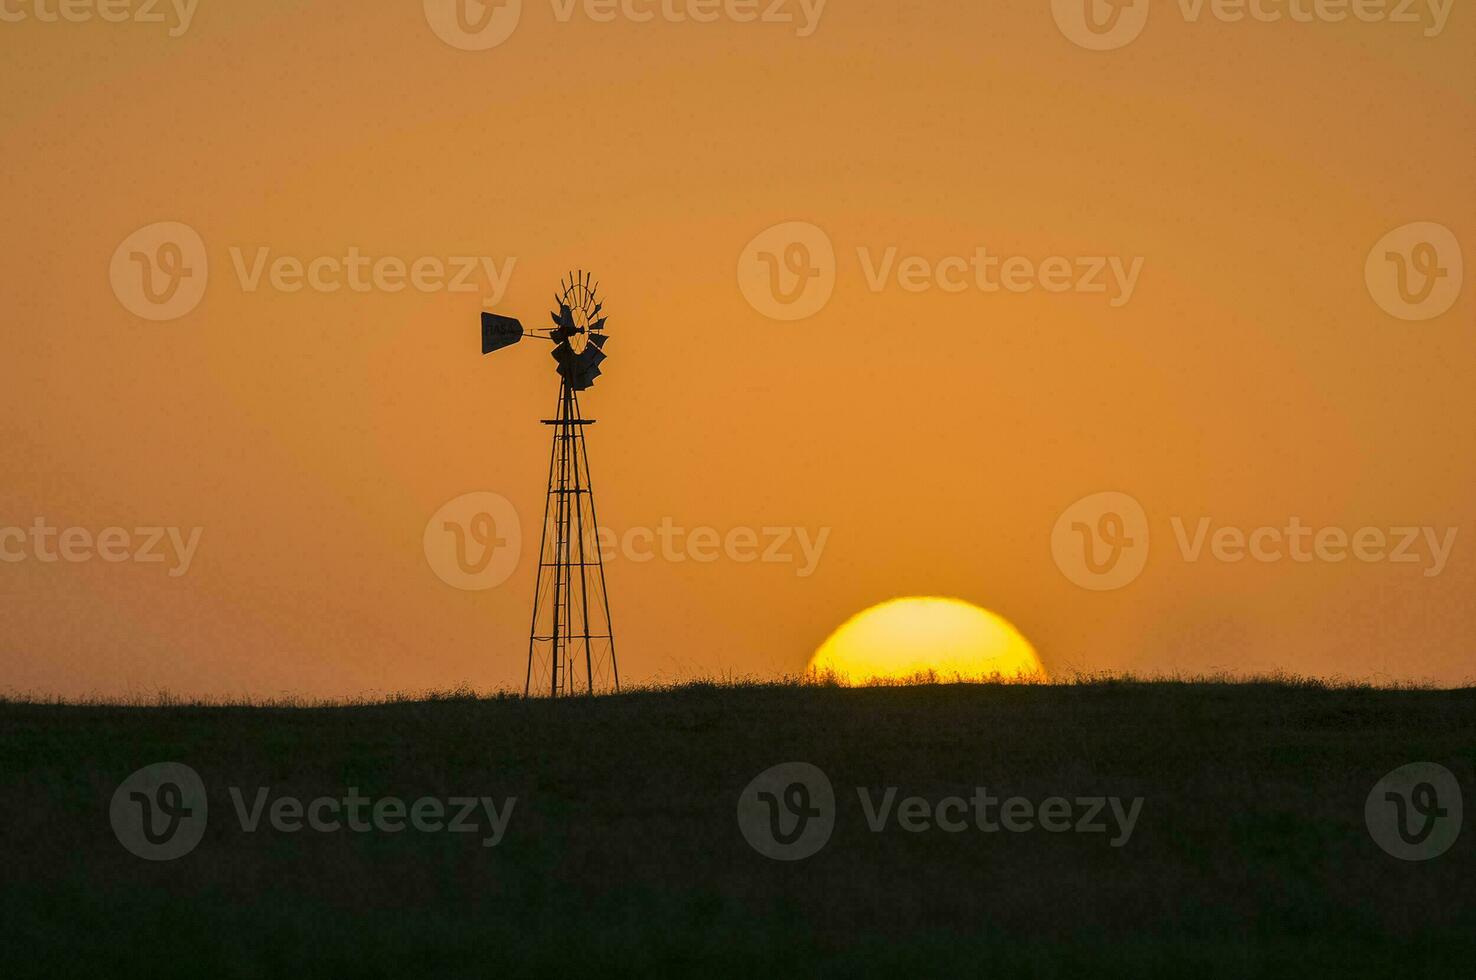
571, 647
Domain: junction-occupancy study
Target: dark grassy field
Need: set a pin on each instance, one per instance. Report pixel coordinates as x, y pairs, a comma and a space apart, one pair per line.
623, 854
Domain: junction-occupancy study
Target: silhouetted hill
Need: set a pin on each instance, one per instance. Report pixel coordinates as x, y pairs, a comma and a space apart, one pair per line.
1249, 854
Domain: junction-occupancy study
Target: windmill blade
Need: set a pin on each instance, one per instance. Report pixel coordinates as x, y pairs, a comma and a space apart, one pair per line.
499, 332
563, 355
598, 339
567, 357
589, 368
579, 369
584, 377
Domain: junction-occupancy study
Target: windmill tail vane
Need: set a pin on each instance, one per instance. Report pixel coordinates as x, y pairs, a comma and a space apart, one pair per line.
571, 644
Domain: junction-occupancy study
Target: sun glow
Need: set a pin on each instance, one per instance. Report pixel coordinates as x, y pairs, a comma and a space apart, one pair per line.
903, 638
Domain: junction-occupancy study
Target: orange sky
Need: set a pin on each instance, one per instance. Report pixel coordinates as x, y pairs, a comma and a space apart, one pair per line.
935, 437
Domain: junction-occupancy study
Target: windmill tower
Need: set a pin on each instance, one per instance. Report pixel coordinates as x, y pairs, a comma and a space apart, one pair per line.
571, 646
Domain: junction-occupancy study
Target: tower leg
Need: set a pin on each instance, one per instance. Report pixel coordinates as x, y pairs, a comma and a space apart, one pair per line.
583, 451
535, 667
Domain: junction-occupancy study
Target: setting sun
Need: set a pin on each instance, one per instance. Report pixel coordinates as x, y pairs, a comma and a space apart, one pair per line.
902, 638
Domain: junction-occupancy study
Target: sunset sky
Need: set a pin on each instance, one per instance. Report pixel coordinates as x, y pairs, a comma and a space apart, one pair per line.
924, 439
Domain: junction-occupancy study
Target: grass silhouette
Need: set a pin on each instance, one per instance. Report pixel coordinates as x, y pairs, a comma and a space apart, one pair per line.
623, 855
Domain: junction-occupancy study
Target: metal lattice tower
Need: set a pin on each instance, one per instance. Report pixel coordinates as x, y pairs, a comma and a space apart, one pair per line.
571, 645
571, 649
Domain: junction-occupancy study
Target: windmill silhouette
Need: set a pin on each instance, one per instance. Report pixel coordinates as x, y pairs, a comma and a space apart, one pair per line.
571, 645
